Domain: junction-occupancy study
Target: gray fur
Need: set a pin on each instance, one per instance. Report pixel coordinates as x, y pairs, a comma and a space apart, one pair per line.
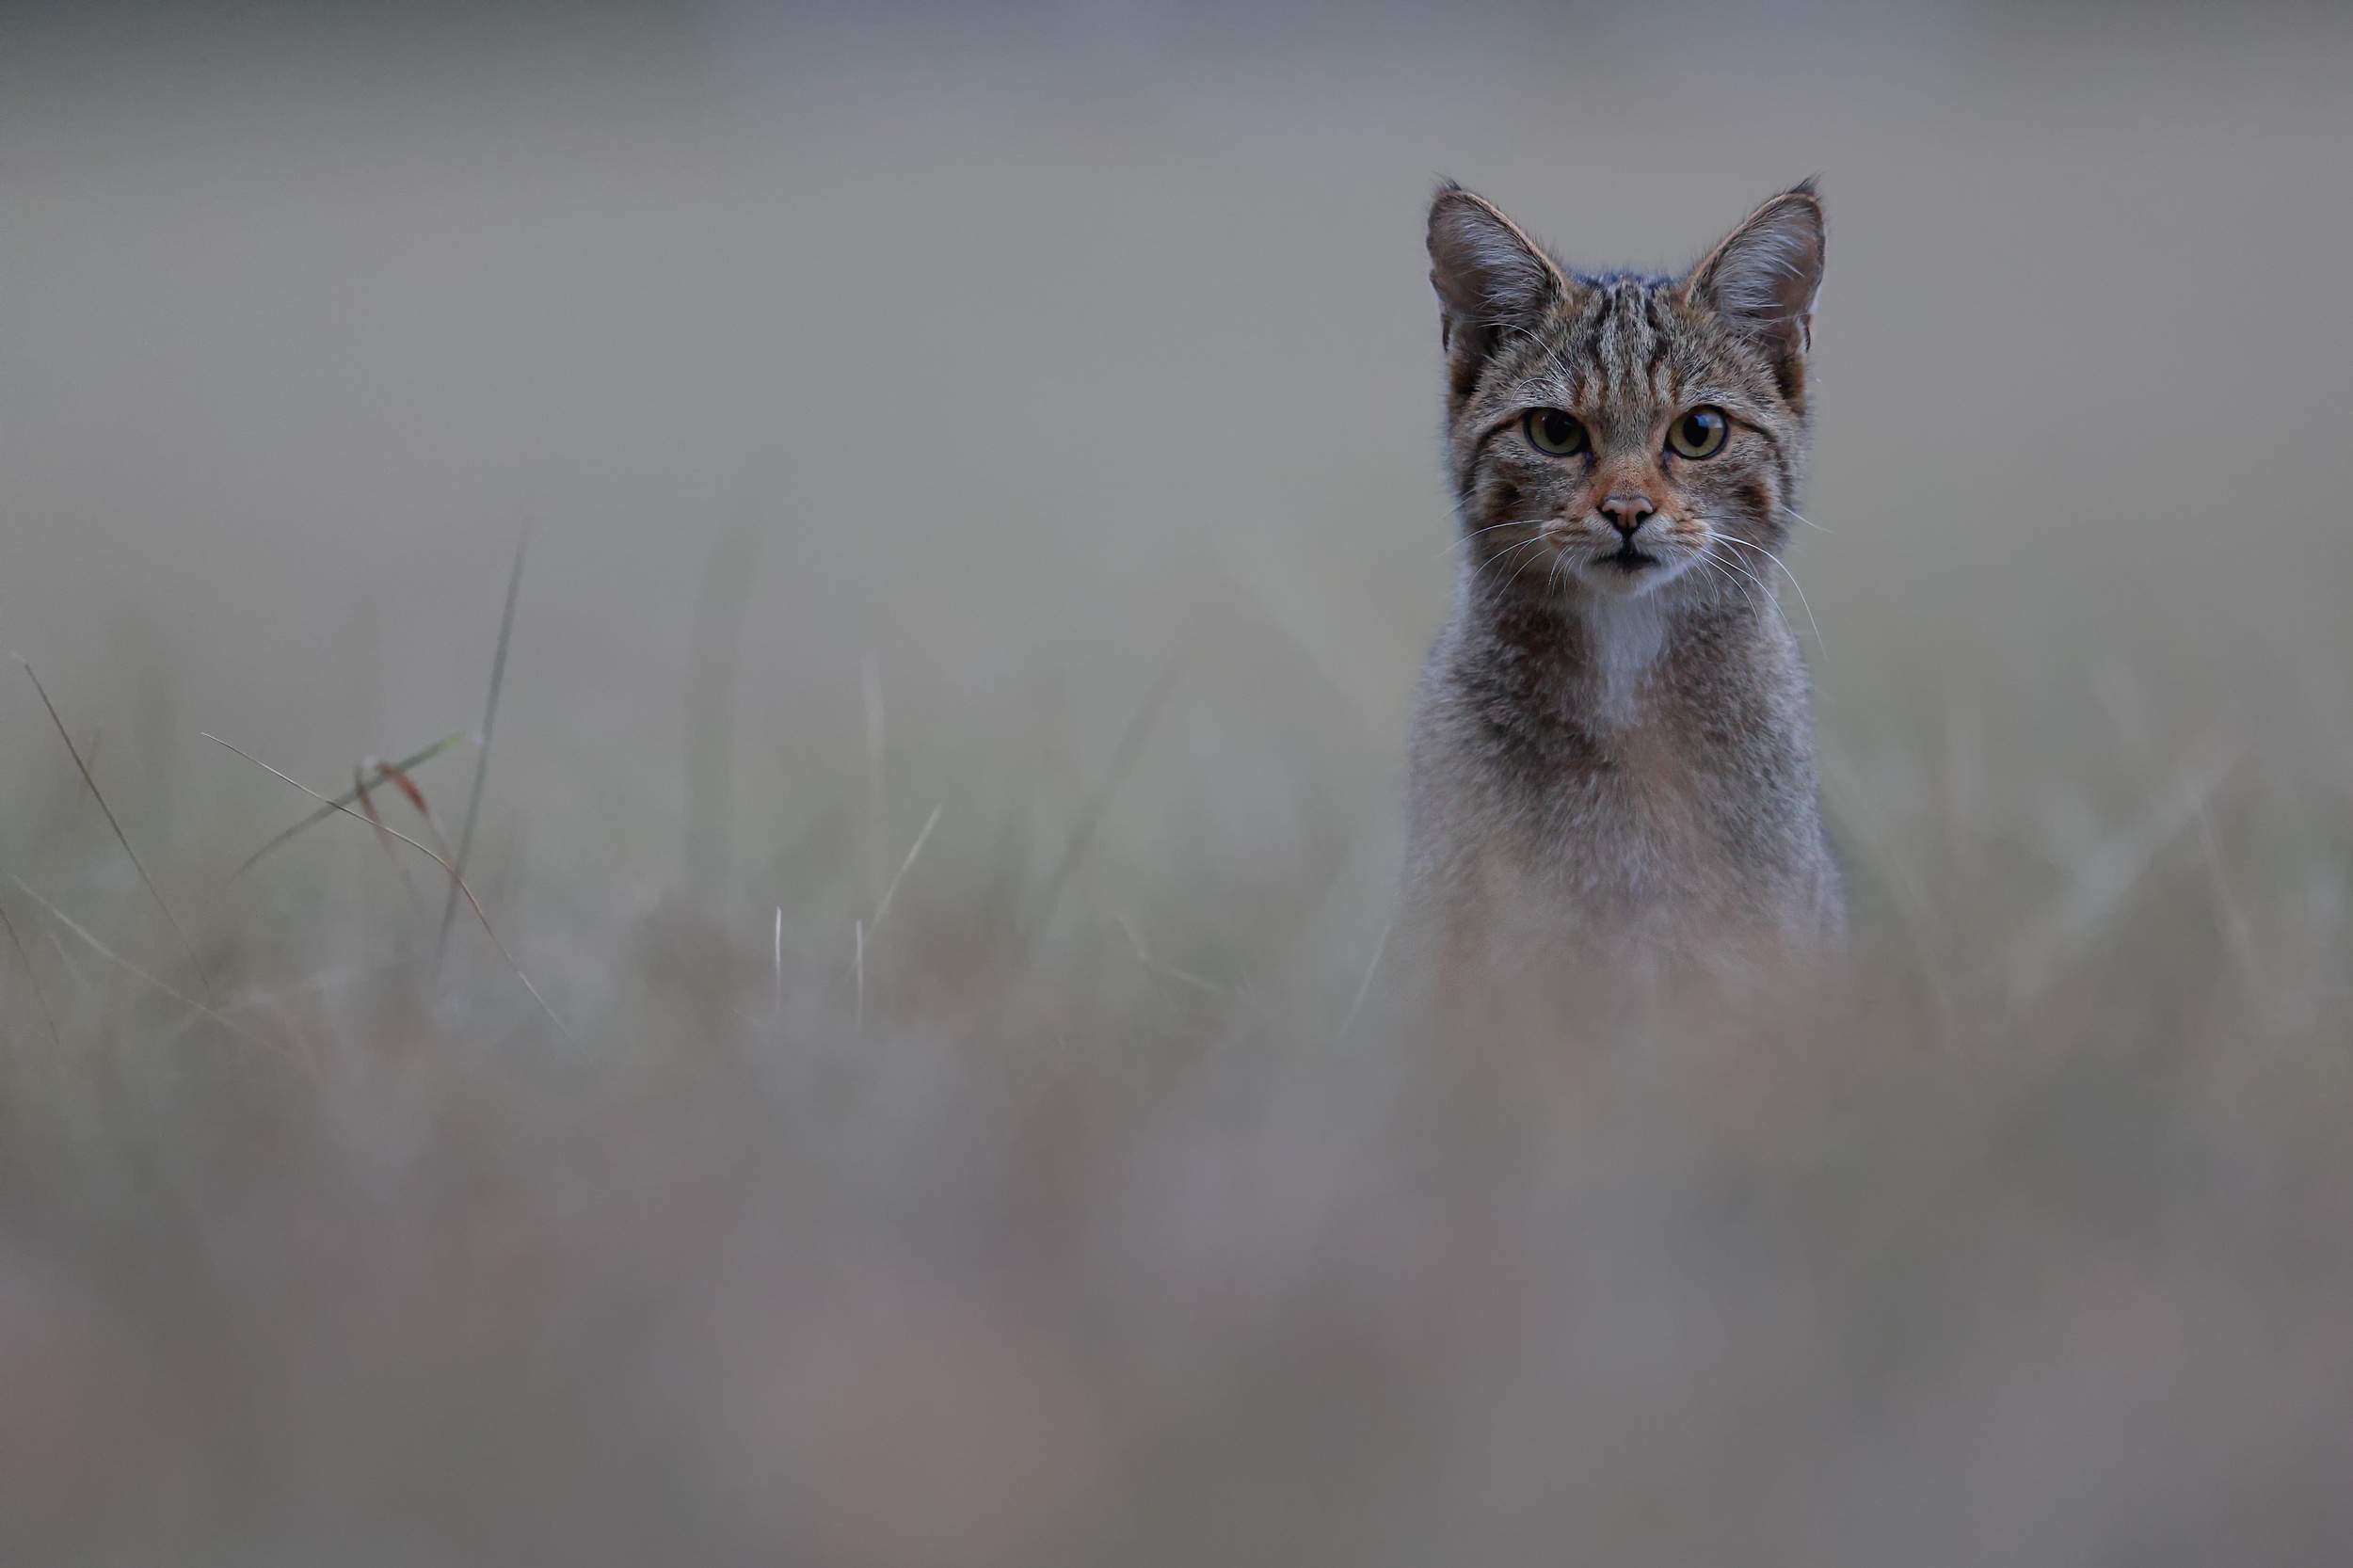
1612, 764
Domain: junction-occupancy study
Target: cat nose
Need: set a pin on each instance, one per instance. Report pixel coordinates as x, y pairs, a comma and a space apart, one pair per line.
1627, 513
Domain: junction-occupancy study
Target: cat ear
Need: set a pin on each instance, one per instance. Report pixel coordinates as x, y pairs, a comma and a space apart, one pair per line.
1490, 277
1763, 277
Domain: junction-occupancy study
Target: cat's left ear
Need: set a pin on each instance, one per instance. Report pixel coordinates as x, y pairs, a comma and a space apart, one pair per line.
1762, 278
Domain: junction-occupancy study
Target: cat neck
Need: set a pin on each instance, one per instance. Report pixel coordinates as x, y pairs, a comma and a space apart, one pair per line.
1602, 658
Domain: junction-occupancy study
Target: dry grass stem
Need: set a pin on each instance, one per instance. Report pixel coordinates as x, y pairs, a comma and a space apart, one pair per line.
24, 960
456, 881
482, 758
1098, 800
398, 774
398, 771
383, 835
122, 837
111, 956
877, 815
1372, 968
882, 905
2105, 878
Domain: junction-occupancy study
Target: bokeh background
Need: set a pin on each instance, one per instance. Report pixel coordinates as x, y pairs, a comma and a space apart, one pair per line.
979, 466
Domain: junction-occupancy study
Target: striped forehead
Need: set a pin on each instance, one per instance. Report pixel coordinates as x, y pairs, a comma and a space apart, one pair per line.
1616, 353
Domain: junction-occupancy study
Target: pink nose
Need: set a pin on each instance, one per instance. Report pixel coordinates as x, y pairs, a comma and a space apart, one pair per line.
1627, 513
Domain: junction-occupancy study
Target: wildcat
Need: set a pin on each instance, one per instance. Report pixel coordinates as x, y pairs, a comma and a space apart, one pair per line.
1613, 766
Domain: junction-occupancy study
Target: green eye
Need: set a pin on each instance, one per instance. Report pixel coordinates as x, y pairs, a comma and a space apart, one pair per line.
1554, 433
1700, 433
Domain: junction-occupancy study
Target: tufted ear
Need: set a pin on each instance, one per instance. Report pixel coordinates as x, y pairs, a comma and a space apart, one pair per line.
1762, 278
1490, 278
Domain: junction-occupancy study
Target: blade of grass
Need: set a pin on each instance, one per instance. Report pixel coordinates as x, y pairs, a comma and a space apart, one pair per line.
104, 951
482, 760
1144, 957
865, 929
55, 717
31, 979
2105, 880
877, 818
383, 770
882, 907
2237, 931
456, 880
408, 786
383, 835
81, 981
367, 805
1363, 986
714, 670
1091, 815
1847, 810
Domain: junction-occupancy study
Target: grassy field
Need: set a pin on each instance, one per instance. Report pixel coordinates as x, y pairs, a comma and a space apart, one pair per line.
932, 1097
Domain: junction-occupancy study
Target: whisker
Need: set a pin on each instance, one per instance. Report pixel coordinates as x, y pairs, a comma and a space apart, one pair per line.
1718, 565
1744, 571
1508, 522
1520, 566
1460, 539
1506, 555
1513, 575
1793, 583
1524, 565
1800, 517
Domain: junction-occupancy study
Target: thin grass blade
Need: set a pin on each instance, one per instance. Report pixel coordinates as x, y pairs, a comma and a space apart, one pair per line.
384, 770
489, 930
482, 758
1091, 816
122, 837
47, 1013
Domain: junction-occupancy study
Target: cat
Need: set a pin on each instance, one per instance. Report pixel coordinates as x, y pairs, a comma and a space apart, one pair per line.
1611, 770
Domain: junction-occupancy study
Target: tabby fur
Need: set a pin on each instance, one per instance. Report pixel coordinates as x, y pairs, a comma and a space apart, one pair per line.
1613, 766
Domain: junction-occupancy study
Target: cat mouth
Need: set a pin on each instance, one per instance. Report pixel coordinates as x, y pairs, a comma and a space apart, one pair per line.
1629, 560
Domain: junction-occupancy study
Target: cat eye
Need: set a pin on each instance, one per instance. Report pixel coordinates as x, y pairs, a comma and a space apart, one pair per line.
1700, 433
1554, 433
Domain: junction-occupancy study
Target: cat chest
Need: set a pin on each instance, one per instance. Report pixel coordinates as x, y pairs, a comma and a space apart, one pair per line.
1630, 803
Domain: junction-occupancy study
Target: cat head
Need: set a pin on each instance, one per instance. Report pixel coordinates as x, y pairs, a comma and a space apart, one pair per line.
1618, 434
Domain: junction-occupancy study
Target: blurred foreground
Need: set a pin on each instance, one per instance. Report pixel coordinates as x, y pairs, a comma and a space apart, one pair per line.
984, 523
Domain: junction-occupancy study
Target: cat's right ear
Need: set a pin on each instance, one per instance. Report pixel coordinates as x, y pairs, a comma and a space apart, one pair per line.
1490, 278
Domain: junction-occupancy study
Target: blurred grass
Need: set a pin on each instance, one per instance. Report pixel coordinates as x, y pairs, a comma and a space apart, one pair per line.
1138, 1249
1092, 1208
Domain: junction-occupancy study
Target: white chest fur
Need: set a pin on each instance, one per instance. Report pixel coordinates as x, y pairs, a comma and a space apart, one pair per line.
1624, 640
